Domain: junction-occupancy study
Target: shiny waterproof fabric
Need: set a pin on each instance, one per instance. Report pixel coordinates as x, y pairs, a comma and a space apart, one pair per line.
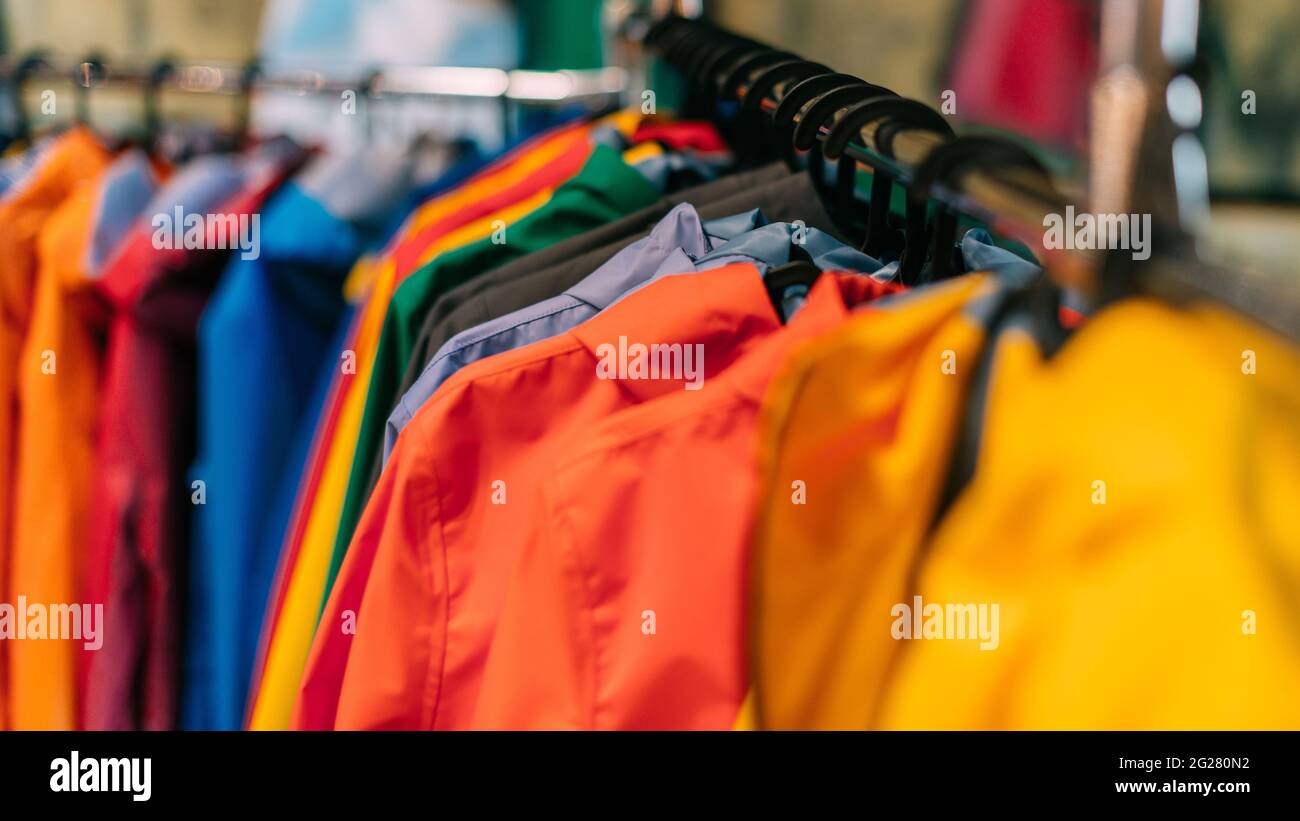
427, 569
639, 557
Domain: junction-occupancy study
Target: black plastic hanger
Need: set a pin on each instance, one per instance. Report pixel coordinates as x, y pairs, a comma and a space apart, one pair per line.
161, 71
816, 112
684, 43
247, 80
945, 166
679, 47
767, 81
29, 66
784, 119
773, 80
701, 57
730, 77
799, 271
664, 31
745, 128
703, 54
846, 210
897, 113
892, 109
703, 50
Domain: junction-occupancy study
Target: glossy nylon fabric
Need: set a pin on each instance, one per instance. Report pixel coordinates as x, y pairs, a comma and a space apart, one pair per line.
140, 504
1165, 598
445, 222
263, 340
582, 203
452, 212
861, 423
638, 556
59, 403
606, 189
324, 197
547, 273
426, 572
70, 159
1121, 605
783, 196
57, 411
671, 247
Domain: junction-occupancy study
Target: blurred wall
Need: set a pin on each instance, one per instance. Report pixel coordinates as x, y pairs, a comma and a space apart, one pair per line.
900, 45
138, 30
340, 38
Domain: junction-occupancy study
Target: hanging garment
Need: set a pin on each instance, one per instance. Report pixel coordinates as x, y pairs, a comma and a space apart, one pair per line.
786, 196
680, 237
538, 165
69, 160
540, 168
426, 572
768, 244
626, 606
680, 243
15, 167
605, 189
285, 495
140, 505
58, 384
549, 272
861, 425
855, 602
315, 515
263, 340
1132, 516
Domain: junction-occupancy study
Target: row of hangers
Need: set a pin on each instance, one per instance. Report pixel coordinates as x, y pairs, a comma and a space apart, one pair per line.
772, 104
91, 72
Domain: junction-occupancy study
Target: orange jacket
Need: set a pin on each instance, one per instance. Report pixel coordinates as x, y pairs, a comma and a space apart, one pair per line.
407, 628
29, 667
517, 184
626, 608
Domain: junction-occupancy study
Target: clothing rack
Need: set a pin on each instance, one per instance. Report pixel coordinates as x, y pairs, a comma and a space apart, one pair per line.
595, 88
209, 77
1152, 179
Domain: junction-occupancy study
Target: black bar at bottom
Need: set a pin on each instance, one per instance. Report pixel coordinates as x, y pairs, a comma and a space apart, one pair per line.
441, 771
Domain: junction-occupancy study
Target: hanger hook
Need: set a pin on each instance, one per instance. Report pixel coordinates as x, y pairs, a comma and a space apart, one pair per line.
89, 71
34, 62
247, 80
161, 72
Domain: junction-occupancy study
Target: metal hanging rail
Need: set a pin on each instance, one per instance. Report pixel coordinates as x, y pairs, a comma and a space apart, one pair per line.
207, 77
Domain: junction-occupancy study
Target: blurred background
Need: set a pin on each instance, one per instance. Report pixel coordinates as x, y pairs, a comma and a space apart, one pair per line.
1020, 65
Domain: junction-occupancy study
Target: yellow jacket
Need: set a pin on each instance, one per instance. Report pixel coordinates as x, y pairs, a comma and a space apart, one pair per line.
1131, 518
